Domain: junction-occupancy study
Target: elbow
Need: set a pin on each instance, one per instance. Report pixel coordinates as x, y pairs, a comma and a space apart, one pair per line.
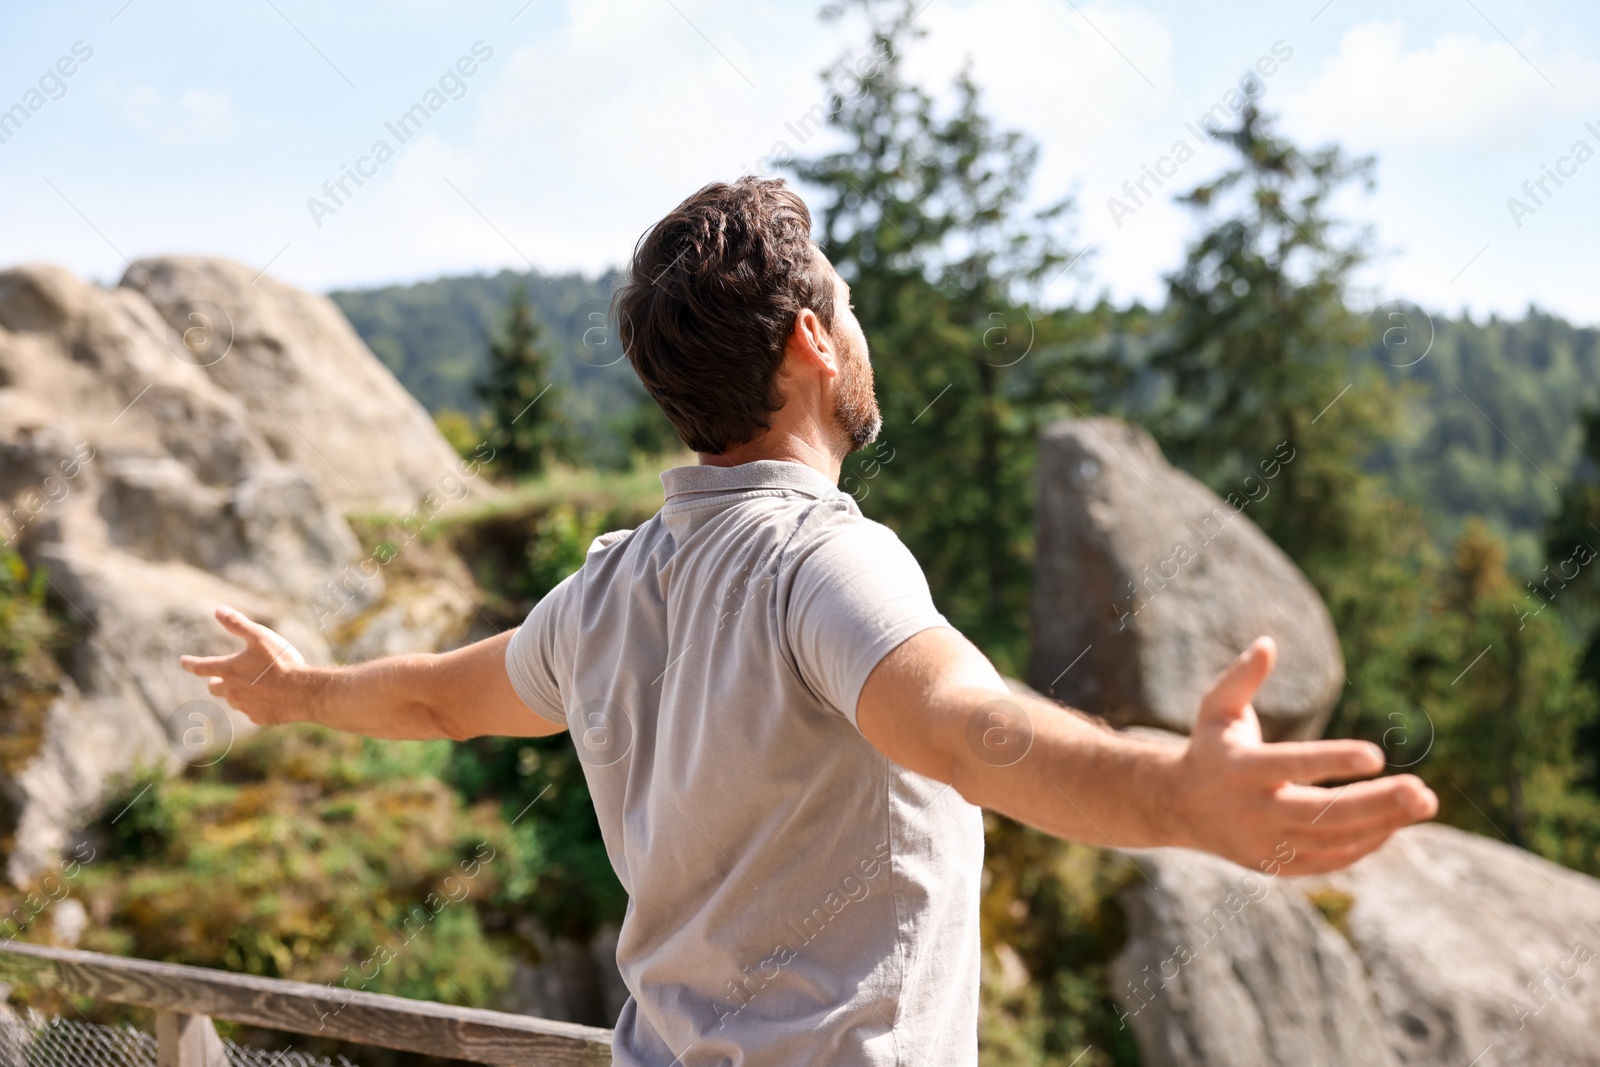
444, 725
434, 711
965, 773
969, 786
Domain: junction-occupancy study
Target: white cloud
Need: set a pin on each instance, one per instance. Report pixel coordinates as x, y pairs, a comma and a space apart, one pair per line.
1084, 73
1377, 93
195, 116
587, 135
590, 133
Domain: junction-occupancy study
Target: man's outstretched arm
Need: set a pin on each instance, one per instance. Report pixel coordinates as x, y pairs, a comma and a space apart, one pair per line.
458, 694
937, 706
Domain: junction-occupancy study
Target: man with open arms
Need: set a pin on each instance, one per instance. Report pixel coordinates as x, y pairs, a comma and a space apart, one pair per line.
786, 744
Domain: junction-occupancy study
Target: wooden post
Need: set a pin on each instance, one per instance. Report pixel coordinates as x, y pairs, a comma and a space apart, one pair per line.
187, 1041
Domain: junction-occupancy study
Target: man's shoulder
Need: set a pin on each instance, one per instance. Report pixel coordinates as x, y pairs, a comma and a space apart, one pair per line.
841, 534
842, 517
607, 551
606, 540
600, 565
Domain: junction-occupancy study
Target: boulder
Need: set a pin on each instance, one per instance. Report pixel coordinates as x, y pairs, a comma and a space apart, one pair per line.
152, 480
311, 387
1472, 944
1441, 949
1227, 967
1147, 584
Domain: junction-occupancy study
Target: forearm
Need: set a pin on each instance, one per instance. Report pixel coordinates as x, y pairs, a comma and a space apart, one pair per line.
937, 706
466, 692
396, 697
1064, 774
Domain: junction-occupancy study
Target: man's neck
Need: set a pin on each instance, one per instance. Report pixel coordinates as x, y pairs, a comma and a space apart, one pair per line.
785, 447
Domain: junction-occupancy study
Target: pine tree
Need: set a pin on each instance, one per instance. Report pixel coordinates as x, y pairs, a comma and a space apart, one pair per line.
1263, 349
527, 427
1264, 360
921, 216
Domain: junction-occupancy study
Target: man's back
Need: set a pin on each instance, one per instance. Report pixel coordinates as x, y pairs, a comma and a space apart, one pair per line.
795, 896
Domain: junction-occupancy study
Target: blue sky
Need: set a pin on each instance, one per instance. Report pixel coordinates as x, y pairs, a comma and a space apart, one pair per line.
206, 128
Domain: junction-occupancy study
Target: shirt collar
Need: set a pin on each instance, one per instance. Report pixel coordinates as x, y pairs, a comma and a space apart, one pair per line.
691, 485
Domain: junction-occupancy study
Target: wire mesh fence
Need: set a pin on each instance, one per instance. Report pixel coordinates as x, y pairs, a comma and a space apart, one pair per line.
30, 1039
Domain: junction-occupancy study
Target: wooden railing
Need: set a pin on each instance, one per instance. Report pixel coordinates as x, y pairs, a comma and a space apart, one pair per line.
186, 999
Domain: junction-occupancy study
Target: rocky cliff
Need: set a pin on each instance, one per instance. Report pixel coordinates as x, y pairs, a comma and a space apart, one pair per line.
194, 436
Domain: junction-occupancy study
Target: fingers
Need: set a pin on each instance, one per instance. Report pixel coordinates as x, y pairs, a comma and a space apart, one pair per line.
1314, 761
1238, 682
1324, 829
1394, 802
1323, 860
232, 678
1348, 827
236, 623
204, 666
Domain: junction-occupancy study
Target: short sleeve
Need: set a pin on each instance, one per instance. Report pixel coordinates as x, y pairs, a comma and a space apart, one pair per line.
539, 655
857, 595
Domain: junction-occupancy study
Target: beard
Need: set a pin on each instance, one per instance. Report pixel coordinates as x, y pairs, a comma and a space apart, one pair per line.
855, 407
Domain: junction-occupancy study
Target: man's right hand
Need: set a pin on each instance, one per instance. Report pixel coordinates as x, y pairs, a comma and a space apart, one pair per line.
1249, 801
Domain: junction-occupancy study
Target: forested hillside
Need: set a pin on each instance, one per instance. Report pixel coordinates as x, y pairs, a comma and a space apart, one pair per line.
435, 337
1489, 423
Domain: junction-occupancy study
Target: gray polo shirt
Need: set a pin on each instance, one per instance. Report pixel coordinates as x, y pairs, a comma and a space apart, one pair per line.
794, 896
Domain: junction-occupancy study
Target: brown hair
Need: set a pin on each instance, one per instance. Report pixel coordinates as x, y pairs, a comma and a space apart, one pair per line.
711, 299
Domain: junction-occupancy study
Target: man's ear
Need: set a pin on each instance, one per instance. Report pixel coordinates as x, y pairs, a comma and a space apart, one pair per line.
810, 343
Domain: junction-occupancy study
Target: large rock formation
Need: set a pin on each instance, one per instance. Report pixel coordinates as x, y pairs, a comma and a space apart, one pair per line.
1147, 584
1441, 949
1226, 966
191, 438
308, 384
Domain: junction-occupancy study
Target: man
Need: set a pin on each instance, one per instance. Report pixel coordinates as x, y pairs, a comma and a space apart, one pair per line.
786, 744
